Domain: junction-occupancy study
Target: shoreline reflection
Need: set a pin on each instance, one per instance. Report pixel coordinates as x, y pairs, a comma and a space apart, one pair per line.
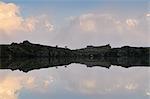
28, 64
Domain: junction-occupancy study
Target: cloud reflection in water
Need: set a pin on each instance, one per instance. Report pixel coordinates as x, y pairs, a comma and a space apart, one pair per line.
76, 80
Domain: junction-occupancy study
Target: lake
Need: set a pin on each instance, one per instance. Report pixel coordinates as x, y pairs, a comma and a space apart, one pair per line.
76, 81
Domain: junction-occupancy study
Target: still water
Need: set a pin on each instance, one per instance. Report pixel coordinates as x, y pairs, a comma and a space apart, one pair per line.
76, 81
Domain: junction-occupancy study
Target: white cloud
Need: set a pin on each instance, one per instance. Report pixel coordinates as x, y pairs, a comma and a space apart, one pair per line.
97, 87
87, 23
49, 26
11, 83
148, 93
30, 24
9, 88
11, 20
92, 22
131, 86
9, 17
132, 23
103, 28
148, 15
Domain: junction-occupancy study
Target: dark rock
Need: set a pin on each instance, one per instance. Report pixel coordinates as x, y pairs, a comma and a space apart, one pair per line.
27, 49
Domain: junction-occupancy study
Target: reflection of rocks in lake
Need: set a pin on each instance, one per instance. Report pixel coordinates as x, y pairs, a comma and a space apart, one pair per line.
26, 65
30, 64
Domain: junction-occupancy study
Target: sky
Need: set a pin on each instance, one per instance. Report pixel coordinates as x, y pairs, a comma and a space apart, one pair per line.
75, 23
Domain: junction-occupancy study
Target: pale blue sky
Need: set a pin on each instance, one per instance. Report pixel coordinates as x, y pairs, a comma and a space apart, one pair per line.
128, 24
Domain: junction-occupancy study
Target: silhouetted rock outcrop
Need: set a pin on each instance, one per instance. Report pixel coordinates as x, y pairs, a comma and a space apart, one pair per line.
93, 51
27, 49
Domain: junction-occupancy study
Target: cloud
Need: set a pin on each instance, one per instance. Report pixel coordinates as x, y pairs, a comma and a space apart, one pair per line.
132, 22
87, 24
148, 15
11, 20
9, 17
49, 26
29, 24
99, 82
95, 22
148, 93
93, 87
103, 28
9, 88
131, 86
92, 22
12, 84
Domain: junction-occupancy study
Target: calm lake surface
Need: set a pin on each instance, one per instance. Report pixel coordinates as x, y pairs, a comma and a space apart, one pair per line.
76, 81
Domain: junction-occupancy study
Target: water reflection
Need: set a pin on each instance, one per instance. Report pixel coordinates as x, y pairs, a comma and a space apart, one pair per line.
74, 82
26, 64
